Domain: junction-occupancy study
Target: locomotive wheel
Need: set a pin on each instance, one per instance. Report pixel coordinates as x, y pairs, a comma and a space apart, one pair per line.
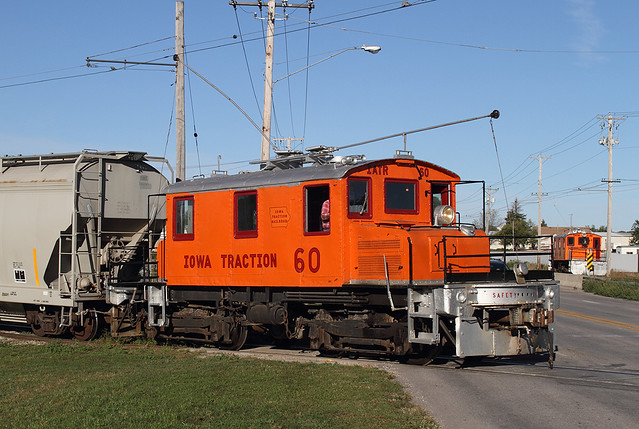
424, 355
239, 333
88, 330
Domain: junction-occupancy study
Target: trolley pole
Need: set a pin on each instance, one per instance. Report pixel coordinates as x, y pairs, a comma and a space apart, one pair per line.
609, 141
180, 139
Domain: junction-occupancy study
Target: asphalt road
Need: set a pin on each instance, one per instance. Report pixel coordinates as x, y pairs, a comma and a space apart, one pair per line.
594, 383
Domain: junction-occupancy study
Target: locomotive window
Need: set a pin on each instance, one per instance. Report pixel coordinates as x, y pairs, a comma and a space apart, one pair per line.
439, 196
183, 216
317, 210
584, 241
359, 200
571, 241
401, 196
595, 243
246, 214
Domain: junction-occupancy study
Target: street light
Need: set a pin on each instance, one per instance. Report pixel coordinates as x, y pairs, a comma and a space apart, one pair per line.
370, 49
268, 94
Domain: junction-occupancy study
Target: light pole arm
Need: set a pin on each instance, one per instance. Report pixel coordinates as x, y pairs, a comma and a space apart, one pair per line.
371, 49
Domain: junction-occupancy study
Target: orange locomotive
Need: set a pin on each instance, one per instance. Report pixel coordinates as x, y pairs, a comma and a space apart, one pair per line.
357, 257
575, 246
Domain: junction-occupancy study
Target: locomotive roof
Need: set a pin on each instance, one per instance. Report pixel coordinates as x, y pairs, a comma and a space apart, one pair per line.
292, 176
577, 232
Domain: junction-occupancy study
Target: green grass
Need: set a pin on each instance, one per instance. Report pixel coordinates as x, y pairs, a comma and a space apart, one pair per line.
617, 286
108, 385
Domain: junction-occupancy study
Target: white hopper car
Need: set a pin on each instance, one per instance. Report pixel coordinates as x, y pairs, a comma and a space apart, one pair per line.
64, 219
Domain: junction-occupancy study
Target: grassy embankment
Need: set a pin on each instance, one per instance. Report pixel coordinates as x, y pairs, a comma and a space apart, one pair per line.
106, 385
618, 285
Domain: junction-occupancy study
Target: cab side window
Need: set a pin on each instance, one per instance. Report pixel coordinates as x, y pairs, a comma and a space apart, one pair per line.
317, 210
183, 218
359, 198
245, 214
440, 196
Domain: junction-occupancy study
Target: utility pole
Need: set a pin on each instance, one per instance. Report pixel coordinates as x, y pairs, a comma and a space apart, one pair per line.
609, 141
539, 195
268, 82
268, 68
489, 201
180, 139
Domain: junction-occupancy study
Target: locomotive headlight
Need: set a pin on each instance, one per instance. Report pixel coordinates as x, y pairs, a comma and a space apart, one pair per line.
550, 293
444, 215
521, 269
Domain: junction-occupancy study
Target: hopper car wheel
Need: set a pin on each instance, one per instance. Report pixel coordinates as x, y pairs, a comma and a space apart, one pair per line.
37, 329
424, 355
88, 330
238, 337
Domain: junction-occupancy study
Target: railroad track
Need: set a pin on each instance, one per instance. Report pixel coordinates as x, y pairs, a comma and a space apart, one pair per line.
518, 367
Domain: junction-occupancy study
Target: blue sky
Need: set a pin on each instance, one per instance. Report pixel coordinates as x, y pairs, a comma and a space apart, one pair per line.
550, 67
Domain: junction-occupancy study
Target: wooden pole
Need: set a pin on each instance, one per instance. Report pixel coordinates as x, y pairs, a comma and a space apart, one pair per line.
180, 140
268, 82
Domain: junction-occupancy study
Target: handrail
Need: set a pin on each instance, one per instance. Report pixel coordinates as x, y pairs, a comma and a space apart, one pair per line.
447, 267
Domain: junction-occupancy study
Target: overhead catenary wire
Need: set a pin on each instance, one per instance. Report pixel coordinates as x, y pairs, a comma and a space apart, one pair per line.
195, 135
248, 68
318, 23
168, 133
133, 47
524, 169
52, 79
288, 81
308, 60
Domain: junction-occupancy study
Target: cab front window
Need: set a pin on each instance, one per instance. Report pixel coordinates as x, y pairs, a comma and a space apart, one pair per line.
400, 196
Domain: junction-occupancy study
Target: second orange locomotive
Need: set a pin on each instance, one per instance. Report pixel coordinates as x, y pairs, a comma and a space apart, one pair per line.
578, 252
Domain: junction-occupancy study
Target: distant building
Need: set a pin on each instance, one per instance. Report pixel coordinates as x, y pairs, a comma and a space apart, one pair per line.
617, 239
627, 250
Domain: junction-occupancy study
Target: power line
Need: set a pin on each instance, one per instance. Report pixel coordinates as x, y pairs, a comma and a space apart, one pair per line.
43, 72
248, 68
133, 47
317, 23
56, 78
